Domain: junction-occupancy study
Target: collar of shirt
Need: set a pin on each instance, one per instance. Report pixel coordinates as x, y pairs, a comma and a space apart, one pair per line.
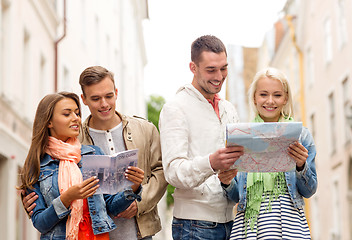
215, 104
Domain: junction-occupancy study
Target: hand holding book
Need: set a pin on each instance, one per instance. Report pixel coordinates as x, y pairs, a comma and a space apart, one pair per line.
135, 175
115, 173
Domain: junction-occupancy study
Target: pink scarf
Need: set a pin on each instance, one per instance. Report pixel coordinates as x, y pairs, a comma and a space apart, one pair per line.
69, 154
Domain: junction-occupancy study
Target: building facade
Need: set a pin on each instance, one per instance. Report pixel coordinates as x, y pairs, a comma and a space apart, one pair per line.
324, 33
242, 66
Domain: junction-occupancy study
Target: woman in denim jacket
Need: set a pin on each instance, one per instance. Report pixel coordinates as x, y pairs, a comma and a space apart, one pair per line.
271, 204
66, 207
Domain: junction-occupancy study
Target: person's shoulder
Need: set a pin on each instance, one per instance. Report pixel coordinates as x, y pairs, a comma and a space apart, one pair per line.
226, 103
184, 93
46, 160
305, 131
136, 118
91, 149
228, 106
140, 121
183, 98
306, 137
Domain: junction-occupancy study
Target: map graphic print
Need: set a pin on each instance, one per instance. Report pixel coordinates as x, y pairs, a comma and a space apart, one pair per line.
265, 145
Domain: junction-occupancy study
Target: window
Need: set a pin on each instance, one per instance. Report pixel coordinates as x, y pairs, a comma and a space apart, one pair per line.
6, 25
332, 123
328, 40
3, 193
97, 39
108, 52
310, 68
21, 229
347, 109
83, 23
296, 73
341, 21
53, 4
335, 231
315, 229
312, 125
43, 76
26, 81
66, 79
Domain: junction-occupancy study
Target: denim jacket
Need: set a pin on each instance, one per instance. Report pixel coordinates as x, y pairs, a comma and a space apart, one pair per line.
299, 183
50, 215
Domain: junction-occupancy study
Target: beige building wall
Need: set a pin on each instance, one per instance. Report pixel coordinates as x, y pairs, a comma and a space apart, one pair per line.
325, 33
109, 35
28, 29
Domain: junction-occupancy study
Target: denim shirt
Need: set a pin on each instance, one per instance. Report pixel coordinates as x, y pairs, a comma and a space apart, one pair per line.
50, 215
300, 184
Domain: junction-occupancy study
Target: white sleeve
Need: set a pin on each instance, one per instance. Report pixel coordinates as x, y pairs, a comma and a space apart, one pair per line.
180, 170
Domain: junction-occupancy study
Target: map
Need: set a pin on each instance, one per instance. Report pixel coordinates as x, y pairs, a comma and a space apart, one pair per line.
265, 145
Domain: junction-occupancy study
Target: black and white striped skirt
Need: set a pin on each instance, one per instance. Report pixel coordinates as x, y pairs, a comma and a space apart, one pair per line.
284, 221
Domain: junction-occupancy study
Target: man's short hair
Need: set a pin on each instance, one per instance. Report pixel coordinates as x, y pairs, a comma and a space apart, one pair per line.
208, 43
93, 75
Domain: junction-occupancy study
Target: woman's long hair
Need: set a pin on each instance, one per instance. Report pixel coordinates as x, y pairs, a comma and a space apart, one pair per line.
40, 136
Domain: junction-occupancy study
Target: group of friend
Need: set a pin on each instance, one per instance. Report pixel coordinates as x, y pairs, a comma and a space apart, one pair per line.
190, 154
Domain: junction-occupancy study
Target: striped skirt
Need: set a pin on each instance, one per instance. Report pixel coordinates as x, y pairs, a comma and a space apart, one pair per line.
284, 221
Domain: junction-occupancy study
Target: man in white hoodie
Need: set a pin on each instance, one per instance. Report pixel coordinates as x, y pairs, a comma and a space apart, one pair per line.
192, 131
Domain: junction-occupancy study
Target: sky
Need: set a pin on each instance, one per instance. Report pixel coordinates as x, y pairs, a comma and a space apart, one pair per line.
174, 24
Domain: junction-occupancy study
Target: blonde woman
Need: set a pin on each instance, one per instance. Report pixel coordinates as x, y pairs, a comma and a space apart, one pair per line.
270, 205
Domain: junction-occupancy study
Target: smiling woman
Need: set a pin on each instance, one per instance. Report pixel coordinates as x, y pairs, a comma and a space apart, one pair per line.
66, 120
271, 203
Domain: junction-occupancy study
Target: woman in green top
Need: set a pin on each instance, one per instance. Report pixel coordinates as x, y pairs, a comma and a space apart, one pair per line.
270, 205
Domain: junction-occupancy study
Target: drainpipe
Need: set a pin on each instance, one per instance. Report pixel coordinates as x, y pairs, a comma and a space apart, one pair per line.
56, 50
289, 19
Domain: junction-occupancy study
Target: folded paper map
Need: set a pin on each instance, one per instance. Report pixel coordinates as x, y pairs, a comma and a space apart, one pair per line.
265, 145
110, 170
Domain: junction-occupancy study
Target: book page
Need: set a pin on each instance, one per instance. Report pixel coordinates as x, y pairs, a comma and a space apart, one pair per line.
110, 170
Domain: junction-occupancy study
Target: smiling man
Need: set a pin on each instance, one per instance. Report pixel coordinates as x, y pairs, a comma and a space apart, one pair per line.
192, 128
114, 132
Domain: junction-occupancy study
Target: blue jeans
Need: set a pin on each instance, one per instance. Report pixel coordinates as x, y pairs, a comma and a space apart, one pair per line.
184, 229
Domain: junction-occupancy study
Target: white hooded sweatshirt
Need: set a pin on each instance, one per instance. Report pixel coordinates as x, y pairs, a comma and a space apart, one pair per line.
190, 131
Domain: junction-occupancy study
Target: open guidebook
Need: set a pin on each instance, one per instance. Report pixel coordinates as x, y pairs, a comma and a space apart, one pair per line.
265, 145
110, 170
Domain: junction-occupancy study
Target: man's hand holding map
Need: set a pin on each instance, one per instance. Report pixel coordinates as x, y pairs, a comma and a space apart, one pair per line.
265, 145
